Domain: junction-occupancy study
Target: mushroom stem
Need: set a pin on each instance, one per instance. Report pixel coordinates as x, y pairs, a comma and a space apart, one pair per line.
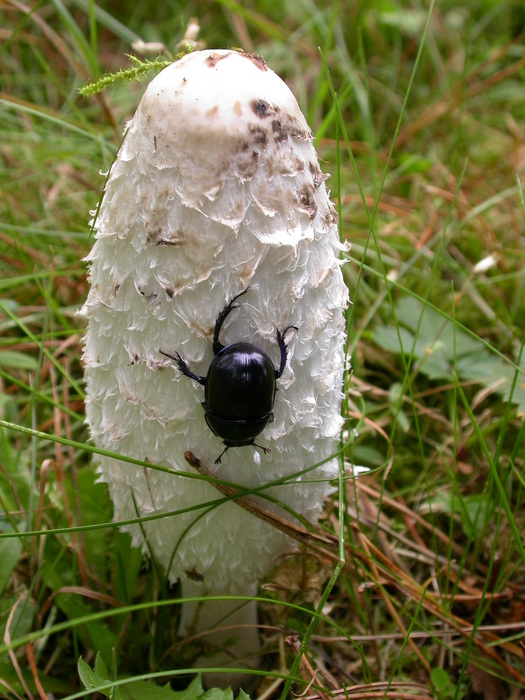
227, 628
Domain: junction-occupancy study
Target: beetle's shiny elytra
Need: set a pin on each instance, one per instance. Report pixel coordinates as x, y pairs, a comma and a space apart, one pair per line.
239, 389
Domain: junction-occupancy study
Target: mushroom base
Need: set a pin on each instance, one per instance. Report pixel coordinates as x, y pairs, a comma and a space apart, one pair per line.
228, 630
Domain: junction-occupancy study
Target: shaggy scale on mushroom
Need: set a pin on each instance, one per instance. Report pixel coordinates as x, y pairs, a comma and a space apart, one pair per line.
216, 188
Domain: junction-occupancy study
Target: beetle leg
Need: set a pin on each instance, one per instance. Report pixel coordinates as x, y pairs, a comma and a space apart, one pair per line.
219, 458
183, 367
266, 450
217, 346
284, 351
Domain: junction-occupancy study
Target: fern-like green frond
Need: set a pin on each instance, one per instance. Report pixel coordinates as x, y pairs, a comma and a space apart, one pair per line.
137, 72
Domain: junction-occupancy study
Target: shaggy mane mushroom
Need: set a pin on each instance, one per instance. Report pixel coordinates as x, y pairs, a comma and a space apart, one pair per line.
216, 188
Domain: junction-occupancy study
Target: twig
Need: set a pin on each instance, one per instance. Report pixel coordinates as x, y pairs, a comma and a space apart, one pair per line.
34, 670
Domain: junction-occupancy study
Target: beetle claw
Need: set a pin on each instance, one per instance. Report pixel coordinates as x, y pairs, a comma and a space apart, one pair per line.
219, 458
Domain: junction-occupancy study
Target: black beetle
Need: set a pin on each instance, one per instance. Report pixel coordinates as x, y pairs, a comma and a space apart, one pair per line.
239, 389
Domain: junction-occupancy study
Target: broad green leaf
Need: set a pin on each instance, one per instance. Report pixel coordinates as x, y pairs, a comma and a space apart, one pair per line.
100, 667
147, 690
218, 694
92, 497
17, 360
126, 561
10, 550
472, 511
368, 455
388, 338
91, 679
439, 349
433, 327
442, 683
56, 574
15, 477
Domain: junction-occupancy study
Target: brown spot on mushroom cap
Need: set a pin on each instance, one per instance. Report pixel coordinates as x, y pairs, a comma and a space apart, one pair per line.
286, 126
255, 59
259, 135
263, 109
247, 161
306, 200
214, 58
331, 216
213, 112
318, 176
237, 108
281, 134
160, 238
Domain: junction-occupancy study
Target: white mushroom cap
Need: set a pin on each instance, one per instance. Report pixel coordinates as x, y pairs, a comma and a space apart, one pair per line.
216, 187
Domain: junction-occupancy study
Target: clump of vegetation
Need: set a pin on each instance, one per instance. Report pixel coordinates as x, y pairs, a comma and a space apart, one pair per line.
413, 586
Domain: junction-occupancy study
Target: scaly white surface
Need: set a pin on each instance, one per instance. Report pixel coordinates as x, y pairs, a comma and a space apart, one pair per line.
216, 187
